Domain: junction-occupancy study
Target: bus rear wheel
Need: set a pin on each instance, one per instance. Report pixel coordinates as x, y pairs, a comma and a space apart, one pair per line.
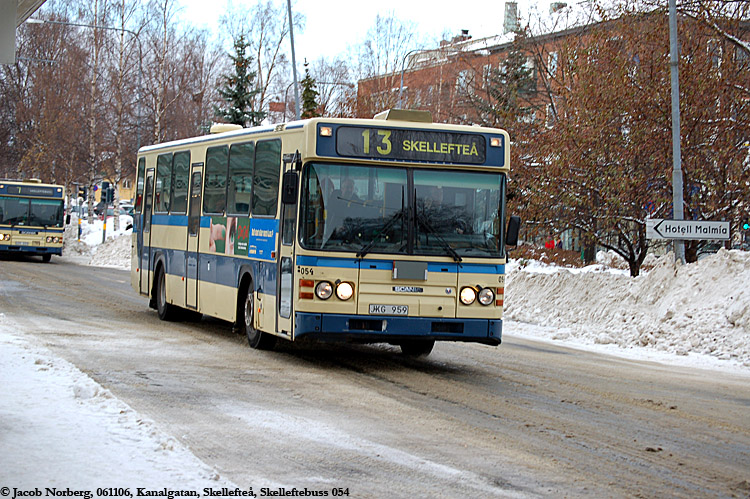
166, 311
417, 348
257, 339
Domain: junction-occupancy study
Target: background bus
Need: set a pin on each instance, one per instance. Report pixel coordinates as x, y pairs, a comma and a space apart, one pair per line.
31, 218
383, 230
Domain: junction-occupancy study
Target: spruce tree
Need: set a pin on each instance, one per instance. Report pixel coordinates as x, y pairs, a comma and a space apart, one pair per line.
238, 92
309, 95
509, 87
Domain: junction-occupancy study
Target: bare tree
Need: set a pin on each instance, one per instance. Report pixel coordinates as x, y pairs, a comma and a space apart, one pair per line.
128, 55
388, 42
336, 92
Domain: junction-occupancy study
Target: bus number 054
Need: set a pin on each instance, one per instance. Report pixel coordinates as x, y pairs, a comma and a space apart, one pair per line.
385, 140
305, 271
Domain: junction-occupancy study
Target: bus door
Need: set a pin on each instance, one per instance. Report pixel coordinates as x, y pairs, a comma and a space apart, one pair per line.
285, 271
193, 235
145, 256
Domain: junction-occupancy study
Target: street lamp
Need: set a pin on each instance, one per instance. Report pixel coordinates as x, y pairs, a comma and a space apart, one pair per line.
296, 93
140, 59
403, 69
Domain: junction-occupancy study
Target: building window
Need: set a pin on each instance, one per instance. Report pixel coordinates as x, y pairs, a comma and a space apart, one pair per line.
552, 61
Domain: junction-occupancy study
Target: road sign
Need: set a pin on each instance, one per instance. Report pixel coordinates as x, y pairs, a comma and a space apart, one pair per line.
657, 228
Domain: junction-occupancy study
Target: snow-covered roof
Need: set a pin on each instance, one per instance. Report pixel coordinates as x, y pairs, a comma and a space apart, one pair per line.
540, 18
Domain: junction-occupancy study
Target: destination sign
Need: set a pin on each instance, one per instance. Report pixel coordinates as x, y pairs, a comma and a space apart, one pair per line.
31, 190
403, 144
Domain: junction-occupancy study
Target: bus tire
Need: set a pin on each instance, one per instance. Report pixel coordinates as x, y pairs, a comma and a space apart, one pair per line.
256, 338
166, 311
417, 348
46, 258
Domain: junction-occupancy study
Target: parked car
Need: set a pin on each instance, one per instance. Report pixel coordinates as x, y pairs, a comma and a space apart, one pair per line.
127, 209
75, 210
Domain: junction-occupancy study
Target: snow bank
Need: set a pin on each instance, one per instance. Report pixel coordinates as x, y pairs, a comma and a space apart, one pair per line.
702, 307
114, 252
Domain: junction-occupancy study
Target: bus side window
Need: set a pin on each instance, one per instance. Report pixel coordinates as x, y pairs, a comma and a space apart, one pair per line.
194, 217
181, 167
163, 183
215, 188
266, 178
240, 188
139, 184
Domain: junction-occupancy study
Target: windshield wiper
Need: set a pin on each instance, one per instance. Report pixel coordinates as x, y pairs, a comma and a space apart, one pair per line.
367, 247
423, 220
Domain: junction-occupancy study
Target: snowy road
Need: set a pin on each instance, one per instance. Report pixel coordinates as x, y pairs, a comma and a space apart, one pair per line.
525, 419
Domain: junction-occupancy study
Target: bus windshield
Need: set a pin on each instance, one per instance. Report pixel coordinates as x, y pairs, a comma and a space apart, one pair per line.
31, 212
376, 209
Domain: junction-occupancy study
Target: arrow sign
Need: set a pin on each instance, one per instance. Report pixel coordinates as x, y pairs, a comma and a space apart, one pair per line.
657, 228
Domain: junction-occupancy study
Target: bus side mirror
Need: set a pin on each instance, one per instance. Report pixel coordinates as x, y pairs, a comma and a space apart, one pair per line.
514, 226
289, 187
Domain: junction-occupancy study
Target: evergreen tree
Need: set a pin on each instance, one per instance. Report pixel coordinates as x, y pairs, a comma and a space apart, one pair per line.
309, 95
509, 88
238, 91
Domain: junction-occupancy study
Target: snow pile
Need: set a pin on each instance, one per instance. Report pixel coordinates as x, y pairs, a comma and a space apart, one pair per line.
702, 307
62, 429
114, 252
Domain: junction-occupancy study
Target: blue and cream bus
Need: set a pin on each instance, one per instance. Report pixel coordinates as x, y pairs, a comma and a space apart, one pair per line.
389, 229
31, 218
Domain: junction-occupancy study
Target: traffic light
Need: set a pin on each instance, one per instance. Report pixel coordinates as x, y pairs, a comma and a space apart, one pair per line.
108, 192
82, 191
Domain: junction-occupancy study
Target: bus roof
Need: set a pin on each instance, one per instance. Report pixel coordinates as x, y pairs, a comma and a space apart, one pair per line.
419, 140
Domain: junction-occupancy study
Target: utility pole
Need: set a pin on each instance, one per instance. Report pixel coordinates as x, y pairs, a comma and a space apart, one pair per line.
294, 61
677, 201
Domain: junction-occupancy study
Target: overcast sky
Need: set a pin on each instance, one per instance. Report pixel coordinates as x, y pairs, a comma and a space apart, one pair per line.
333, 25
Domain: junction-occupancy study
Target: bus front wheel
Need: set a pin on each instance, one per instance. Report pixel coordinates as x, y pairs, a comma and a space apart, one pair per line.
46, 258
257, 339
166, 311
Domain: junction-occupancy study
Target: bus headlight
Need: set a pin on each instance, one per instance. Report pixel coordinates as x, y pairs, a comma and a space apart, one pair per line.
468, 295
344, 291
486, 296
324, 290
4, 237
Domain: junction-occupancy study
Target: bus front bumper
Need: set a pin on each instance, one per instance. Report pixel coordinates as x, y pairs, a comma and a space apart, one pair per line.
30, 250
392, 329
